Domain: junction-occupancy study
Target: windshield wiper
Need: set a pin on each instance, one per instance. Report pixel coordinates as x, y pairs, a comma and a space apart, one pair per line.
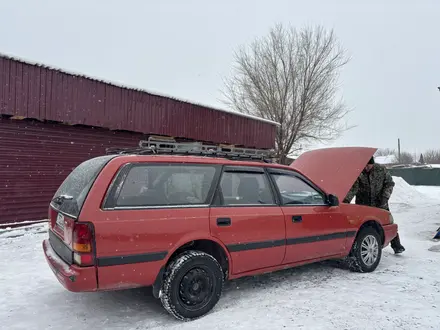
61, 198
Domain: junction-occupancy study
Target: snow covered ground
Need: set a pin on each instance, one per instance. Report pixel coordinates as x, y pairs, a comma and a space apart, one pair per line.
403, 293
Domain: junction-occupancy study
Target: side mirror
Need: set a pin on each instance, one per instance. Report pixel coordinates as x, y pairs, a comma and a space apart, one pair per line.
333, 200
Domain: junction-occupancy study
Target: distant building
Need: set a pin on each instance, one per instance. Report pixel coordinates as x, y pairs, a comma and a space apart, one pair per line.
52, 120
386, 160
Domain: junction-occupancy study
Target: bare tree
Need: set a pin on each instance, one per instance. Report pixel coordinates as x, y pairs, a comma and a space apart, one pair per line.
385, 152
291, 77
406, 158
432, 156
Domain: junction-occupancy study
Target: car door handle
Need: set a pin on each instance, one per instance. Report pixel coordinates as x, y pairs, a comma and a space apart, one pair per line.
296, 218
223, 222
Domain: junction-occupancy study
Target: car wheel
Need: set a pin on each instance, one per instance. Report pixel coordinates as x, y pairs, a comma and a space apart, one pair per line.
192, 286
366, 251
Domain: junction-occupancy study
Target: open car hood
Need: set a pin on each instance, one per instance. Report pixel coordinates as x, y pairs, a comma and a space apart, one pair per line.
334, 170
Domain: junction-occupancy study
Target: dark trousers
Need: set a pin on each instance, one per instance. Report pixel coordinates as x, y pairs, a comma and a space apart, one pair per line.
395, 242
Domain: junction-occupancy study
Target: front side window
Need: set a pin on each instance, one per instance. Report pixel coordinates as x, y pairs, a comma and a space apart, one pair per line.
165, 185
295, 191
245, 189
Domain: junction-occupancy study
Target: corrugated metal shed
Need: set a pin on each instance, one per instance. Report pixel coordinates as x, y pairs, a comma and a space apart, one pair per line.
36, 157
35, 91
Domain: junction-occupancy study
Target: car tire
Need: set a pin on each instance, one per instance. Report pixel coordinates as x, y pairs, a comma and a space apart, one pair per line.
366, 252
192, 285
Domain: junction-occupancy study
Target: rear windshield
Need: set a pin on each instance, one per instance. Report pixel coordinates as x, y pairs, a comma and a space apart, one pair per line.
72, 193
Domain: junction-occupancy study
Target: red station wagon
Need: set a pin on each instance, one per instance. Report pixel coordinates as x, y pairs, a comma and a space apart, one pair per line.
184, 224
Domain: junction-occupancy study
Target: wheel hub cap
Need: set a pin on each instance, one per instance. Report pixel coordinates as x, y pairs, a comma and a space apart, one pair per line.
369, 250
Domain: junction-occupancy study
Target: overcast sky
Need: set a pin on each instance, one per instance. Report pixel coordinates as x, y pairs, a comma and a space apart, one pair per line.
184, 48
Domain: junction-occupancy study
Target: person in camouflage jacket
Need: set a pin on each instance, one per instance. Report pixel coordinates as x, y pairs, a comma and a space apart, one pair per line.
374, 187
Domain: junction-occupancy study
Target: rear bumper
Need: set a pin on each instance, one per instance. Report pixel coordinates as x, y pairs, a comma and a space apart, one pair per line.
74, 279
390, 232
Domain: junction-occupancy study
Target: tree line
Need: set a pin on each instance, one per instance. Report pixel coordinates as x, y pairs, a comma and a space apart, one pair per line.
430, 156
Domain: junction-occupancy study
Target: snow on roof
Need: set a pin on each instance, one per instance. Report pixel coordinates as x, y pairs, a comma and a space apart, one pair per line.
121, 85
389, 159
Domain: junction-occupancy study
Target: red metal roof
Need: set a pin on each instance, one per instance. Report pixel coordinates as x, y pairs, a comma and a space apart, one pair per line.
34, 91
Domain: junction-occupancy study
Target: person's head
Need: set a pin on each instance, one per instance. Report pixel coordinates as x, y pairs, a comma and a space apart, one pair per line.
370, 164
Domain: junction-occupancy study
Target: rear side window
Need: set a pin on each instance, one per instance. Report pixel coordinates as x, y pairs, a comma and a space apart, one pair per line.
72, 193
238, 188
166, 185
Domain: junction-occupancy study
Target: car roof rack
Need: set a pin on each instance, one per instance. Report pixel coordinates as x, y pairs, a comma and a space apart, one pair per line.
168, 146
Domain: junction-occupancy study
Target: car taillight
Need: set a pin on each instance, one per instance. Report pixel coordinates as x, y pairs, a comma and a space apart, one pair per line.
82, 237
82, 244
83, 259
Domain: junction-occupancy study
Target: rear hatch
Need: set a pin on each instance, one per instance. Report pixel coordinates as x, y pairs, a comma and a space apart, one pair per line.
68, 236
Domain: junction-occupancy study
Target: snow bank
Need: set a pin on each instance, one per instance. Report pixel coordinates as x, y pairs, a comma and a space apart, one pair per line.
22, 231
404, 193
432, 191
403, 293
